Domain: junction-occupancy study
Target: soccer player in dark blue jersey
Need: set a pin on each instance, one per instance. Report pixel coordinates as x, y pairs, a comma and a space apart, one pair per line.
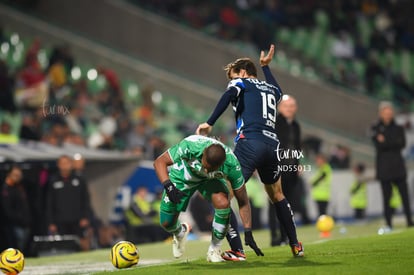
255, 106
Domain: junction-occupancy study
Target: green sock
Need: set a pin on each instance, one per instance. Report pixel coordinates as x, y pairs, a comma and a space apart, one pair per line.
220, 224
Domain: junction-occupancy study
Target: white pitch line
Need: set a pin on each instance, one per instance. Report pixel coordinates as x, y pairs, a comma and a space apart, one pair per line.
79, 268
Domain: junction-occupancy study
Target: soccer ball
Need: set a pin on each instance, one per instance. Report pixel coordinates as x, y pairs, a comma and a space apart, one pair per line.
124, 254
325, 223
11, 261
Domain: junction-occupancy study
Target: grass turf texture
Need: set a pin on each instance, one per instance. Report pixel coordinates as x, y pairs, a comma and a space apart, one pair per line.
359, 250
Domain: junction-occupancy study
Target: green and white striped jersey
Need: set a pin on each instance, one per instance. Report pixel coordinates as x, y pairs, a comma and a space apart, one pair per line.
187, 170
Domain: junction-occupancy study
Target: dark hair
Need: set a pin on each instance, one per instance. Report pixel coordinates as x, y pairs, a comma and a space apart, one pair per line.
215, 155
241, 64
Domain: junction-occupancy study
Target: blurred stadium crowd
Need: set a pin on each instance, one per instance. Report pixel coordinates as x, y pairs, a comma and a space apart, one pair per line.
47, 96
367, 46
363, 45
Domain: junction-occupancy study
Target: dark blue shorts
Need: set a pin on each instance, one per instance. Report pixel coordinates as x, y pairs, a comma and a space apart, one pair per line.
257, 155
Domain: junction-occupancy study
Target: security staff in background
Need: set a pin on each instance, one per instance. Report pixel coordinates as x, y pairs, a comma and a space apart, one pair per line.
358, 192
321, 184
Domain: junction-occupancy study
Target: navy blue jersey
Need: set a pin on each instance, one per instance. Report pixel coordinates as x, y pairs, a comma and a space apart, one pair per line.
255, 107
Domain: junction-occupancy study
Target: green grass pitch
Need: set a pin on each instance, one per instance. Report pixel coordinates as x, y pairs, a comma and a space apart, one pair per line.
351, 249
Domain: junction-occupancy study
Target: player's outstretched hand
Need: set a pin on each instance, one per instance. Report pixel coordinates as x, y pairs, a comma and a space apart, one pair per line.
249, 240
173, 193
204, 129
266, 59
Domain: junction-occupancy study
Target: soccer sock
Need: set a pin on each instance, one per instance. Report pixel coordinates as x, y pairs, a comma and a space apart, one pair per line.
286, 218
179, 233
233, 236
220, 225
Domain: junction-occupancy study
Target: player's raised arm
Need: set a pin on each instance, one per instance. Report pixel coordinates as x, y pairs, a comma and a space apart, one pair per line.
264, 63
266, 59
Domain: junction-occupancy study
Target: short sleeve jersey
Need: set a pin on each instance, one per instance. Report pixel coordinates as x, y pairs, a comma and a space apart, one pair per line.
187, 167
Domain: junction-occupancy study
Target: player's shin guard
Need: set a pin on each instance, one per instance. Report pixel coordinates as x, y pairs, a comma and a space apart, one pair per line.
287, 220
220, 224
233, 236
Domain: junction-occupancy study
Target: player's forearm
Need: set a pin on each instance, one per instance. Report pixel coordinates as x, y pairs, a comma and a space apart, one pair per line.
270, 78
246, 215
161, 167
244, 207
220, 107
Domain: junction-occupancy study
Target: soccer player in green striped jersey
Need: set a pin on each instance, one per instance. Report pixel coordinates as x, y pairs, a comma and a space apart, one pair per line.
203, 164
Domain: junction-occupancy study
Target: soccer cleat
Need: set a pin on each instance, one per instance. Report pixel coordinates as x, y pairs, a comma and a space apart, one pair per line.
214, 255
298, 250
235, 256
179, 243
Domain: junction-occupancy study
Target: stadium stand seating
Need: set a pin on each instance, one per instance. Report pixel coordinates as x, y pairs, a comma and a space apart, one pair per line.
307, 42
14, 49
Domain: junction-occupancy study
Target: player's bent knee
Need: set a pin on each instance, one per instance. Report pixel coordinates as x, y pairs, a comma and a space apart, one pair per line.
220, 201
168, 221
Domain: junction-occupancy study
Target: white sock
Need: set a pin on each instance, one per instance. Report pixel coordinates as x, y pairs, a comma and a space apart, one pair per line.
181, 234
215, 243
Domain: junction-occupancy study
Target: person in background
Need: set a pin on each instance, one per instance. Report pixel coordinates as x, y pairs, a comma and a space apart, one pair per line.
6, 134
7, 83
16, 214
321, 184
389, 140
92, 233
340, 157
141, 225
289, 135
359, 196
30, 129
68, 203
